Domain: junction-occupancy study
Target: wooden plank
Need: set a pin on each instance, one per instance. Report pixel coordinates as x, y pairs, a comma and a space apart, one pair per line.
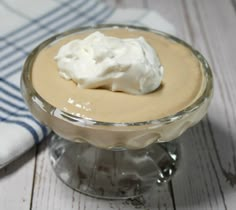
212, 147
200, 173
172, 11
16, 181
217, 28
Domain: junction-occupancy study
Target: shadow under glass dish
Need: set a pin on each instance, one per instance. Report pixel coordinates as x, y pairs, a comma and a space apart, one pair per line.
113, 160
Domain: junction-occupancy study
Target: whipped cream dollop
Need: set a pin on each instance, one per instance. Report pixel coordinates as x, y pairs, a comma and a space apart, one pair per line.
99, 61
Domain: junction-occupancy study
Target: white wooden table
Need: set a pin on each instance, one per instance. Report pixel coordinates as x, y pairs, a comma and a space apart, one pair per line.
206, 178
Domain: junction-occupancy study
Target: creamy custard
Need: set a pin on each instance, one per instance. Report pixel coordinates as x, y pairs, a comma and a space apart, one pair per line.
181, 84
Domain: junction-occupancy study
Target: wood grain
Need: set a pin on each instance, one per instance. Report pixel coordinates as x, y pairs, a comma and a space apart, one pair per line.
217, 30
16, 182
208, 145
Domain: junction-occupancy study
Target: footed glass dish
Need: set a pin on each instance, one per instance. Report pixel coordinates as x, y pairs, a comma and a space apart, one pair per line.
114, 160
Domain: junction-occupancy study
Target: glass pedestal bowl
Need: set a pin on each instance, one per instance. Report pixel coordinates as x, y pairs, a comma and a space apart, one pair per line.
113, 160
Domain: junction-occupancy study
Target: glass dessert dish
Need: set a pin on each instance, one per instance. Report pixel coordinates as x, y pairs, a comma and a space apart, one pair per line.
114, 160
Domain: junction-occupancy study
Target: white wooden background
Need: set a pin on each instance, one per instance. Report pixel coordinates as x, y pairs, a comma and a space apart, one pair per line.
207, 175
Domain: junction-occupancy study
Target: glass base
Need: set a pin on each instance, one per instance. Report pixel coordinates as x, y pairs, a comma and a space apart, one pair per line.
112, 174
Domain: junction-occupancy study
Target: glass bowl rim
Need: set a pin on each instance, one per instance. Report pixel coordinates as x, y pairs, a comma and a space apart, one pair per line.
206, 93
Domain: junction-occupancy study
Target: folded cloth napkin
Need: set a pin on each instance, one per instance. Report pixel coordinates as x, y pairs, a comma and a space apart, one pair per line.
25, 24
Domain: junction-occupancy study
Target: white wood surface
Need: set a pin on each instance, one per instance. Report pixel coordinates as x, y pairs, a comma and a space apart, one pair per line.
207, 175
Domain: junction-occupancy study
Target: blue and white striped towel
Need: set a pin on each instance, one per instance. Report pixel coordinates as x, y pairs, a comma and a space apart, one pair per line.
24, 24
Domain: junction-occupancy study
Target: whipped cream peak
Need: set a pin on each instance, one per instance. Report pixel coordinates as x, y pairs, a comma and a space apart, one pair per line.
99, 61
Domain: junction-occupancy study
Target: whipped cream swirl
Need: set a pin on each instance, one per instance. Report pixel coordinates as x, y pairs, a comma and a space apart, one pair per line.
99, 61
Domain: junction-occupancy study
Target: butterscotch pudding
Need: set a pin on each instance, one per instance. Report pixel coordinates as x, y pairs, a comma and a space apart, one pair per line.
108, 118
118, 88
181, 85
